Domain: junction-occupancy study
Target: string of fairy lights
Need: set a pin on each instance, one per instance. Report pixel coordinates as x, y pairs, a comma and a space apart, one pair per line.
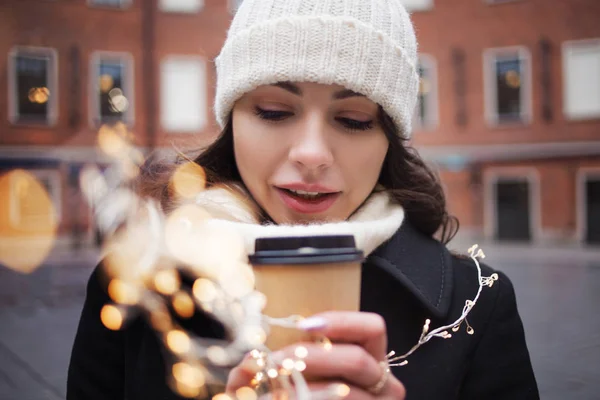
146, 253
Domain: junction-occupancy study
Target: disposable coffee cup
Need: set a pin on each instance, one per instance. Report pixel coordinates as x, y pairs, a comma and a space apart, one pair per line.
305, 276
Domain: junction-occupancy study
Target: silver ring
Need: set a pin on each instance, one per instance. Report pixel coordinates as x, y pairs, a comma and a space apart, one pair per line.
378, 387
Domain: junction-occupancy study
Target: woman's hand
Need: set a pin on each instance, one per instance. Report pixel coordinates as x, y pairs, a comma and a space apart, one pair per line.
356, 357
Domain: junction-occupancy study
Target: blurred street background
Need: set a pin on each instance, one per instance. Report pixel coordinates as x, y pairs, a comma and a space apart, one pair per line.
509, 115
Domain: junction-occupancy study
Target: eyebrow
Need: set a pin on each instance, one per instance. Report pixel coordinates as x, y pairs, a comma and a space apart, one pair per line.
346, 93
290, 87
339, 95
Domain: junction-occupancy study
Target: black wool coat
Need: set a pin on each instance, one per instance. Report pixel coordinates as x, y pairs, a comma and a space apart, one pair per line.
407, 280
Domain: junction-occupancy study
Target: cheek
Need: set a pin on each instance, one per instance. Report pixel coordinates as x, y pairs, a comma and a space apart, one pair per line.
366, 159
254, 154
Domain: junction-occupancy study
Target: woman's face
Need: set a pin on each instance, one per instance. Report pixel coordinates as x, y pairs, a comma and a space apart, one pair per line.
308, 152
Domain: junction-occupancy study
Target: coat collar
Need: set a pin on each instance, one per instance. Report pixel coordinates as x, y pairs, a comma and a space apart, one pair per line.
419, 263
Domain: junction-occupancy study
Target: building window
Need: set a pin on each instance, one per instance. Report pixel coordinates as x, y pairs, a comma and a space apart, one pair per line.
508, 86
183, 94
112, 88
581, 63
417, 5
33, 76
234, 5
110, 3
181, 6
36, 199
427, 108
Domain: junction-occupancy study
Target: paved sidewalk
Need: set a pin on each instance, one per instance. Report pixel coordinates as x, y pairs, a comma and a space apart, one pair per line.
39, 313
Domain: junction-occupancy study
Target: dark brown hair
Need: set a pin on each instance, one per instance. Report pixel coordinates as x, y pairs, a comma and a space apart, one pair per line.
404, 175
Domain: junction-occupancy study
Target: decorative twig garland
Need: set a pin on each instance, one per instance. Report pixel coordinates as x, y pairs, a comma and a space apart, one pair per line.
147, 251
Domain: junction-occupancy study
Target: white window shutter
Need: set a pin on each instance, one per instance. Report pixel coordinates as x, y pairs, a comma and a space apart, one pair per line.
182, 6
582, 81
183, 94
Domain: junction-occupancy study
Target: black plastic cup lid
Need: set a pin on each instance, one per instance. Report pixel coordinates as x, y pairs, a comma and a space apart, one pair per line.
306, 250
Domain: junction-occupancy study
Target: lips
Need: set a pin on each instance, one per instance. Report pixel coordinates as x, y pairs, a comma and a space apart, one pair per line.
307, 199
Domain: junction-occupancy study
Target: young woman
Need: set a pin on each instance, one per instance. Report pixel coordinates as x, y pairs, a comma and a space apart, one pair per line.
315, 98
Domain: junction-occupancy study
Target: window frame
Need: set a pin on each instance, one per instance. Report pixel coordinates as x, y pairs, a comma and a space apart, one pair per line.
52, 84
232, 7
123, 4
94, 106
565, 48
490, 58
432, 103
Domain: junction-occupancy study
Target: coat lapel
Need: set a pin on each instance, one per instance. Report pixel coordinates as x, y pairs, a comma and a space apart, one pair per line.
420, 264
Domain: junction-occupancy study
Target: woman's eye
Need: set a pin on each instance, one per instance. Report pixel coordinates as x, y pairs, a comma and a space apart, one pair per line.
272, 115
355, 125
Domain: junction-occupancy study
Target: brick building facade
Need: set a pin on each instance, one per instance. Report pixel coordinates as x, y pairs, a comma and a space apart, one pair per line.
67, 67
511, 114
510, 108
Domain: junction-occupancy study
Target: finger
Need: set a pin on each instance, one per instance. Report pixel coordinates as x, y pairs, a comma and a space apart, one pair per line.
329, 390
339, 390
350, 363
365, 329
242, 374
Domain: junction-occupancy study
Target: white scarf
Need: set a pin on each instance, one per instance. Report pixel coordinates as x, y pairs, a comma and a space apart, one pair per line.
371, 225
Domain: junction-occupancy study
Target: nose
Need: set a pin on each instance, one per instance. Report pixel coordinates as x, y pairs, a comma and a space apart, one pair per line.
310, 149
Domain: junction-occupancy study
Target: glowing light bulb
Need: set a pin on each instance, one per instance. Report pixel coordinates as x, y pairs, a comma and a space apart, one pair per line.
178, 341
111, 317
166, 281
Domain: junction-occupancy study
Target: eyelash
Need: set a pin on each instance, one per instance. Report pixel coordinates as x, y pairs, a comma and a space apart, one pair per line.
269, 115
348, 123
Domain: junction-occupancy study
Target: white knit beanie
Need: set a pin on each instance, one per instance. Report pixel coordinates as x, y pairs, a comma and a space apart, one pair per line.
368, 46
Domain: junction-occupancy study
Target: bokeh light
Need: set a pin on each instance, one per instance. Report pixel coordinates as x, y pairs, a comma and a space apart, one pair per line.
167, 281
288, 364
204, 290
189, 375
183, 304
187, 390
39, 95
300, 365
111, 317
28, 221
222, 396
106, 82
245, 393
188, 180
301, 352
217, 355
112, 141
178, 341
341, 390
123, 292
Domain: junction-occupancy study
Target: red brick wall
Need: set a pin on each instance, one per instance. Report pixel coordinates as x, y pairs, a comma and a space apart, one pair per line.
60, 25
474, 25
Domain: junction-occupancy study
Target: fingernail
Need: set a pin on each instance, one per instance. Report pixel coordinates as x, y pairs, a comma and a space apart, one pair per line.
311, 324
